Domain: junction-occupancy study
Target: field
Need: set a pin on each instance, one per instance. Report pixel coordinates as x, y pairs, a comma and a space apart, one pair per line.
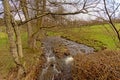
96, 36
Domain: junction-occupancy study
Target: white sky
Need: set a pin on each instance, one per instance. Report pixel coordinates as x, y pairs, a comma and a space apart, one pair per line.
78, 16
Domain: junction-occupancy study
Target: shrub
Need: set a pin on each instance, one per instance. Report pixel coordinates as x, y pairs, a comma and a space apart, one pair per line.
103, 65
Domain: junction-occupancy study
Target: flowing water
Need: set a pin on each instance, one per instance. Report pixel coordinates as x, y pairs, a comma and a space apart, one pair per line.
60, 69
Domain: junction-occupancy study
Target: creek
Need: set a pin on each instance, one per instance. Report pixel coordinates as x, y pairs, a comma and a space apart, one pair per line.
60, 68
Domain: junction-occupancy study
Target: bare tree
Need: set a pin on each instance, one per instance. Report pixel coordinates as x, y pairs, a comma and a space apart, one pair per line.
43, 8
15, 45
110, 19
39, 24
24, 7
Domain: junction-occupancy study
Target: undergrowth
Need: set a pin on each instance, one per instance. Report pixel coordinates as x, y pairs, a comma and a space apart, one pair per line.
103, 65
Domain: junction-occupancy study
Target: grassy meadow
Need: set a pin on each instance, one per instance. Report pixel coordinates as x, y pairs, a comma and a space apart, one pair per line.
98, 36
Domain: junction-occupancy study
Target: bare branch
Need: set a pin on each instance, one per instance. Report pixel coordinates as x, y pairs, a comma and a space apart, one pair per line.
111, 22
47, 13
115, 10
16, 10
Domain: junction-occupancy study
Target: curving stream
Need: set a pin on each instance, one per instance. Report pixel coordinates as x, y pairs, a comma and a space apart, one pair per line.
60, 68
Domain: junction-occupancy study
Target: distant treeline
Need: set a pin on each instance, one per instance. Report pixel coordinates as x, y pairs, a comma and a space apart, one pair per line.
79, 23
75, 23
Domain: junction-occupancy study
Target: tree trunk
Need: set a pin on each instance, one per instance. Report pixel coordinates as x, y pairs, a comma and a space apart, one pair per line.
111, 22
10, 32
15, 45
25, 12
18, 38
39, 23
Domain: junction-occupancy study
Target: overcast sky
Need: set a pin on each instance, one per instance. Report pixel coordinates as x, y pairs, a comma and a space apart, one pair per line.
78, 16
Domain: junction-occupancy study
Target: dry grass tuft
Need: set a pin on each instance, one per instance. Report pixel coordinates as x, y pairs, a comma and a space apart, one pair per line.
35, 71
61, 51
103, 65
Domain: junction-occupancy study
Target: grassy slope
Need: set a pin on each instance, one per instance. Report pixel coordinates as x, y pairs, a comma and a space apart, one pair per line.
96, 36
6, 60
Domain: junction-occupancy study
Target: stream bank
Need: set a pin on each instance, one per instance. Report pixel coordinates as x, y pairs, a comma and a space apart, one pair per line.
58, 53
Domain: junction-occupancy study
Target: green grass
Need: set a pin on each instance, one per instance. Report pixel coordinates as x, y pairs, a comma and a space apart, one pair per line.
6, 60
24, 40
3, 40
97, 36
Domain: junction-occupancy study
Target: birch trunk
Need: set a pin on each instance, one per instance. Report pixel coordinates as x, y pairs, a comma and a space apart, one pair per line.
18, 38
15, 45
10, 31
